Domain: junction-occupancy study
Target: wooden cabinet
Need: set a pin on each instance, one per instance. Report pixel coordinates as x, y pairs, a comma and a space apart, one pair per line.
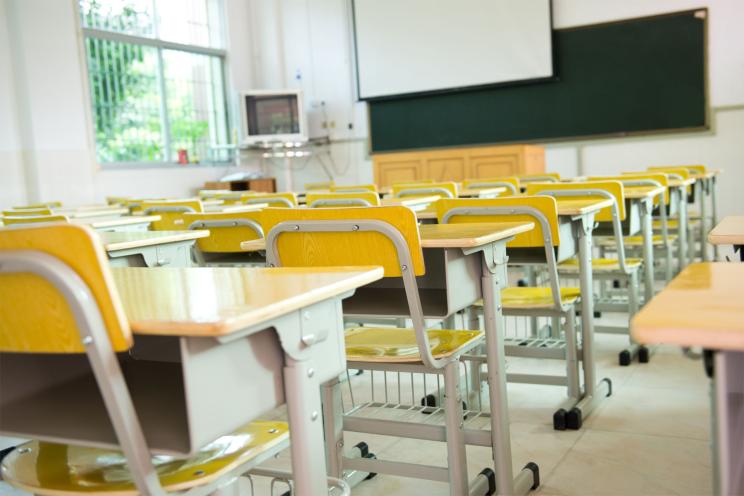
456, 164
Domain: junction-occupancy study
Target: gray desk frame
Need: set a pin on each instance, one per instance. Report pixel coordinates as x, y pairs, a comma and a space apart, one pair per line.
303, 348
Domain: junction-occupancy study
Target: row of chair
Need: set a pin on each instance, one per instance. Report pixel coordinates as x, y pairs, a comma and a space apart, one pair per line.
331, 236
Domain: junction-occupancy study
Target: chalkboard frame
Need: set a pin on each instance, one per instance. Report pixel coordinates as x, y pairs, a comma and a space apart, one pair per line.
701, 13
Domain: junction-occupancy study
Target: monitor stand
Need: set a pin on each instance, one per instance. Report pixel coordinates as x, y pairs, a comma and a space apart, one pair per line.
285, 155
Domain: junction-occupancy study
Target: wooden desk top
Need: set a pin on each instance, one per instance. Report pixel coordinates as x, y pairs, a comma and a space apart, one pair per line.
91, 211
126, 240
447, 235
702, 306
236, 208
704, 175
410, 201
572, 206
126, 220
490, 191
566, 206
641, 192
677, 183
426, 214
469, 235
205, 301
730, 231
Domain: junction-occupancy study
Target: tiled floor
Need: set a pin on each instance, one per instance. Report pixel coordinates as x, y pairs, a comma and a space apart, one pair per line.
650, 438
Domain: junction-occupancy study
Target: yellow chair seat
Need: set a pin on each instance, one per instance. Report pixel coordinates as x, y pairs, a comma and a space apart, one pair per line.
520, 297
60, 469
396, 345
656, 240
674, 223
600, 264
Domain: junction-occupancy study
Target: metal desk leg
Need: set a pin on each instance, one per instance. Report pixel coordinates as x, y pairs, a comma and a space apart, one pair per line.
728, 411
333, 413
682, 228
704, 196
305, 427
493, 278
594, 392
714, 210
647, 207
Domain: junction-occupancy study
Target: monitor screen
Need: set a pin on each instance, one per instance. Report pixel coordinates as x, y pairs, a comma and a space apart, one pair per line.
272, 114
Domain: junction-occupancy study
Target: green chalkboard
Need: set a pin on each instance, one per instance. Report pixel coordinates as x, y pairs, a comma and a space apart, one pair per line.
636, 76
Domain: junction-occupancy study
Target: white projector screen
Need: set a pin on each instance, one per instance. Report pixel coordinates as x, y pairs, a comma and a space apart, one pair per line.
414, 46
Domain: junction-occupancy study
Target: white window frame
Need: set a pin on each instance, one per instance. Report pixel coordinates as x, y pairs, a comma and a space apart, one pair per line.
159, 45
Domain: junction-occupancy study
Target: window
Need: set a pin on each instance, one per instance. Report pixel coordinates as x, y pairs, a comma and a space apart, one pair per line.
156, 72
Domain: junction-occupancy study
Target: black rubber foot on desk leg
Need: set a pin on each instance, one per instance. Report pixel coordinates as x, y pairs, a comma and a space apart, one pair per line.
624, 358
429, 401
535, 474
371, 475
363, 448
643, 354
559, 420
491, 477
609, 386
574, 419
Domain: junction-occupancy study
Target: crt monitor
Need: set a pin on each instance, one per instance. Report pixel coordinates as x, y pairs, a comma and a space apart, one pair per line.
272, 116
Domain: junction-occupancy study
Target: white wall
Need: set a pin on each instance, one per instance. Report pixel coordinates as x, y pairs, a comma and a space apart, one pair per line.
311, 39
46, 147
307, 44
12, 187
46, 150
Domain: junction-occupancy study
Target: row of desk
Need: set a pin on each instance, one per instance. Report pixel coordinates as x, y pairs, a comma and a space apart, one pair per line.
224, 321
196, 327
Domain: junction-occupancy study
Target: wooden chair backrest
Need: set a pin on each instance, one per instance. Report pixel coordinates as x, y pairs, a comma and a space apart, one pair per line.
547, 205
34, 316
615, 188
348, 248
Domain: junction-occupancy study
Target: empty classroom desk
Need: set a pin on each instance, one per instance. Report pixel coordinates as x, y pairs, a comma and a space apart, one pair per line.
151, 248
464, 262
643, 197
265, 336
123, 223
235, 207
417, 204
92, 211
703, 307
484, 192
681, 185
730, 231
581, 213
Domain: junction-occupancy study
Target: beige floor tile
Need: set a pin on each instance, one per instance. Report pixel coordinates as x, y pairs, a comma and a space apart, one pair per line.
669, 368
659, 411
609, 463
